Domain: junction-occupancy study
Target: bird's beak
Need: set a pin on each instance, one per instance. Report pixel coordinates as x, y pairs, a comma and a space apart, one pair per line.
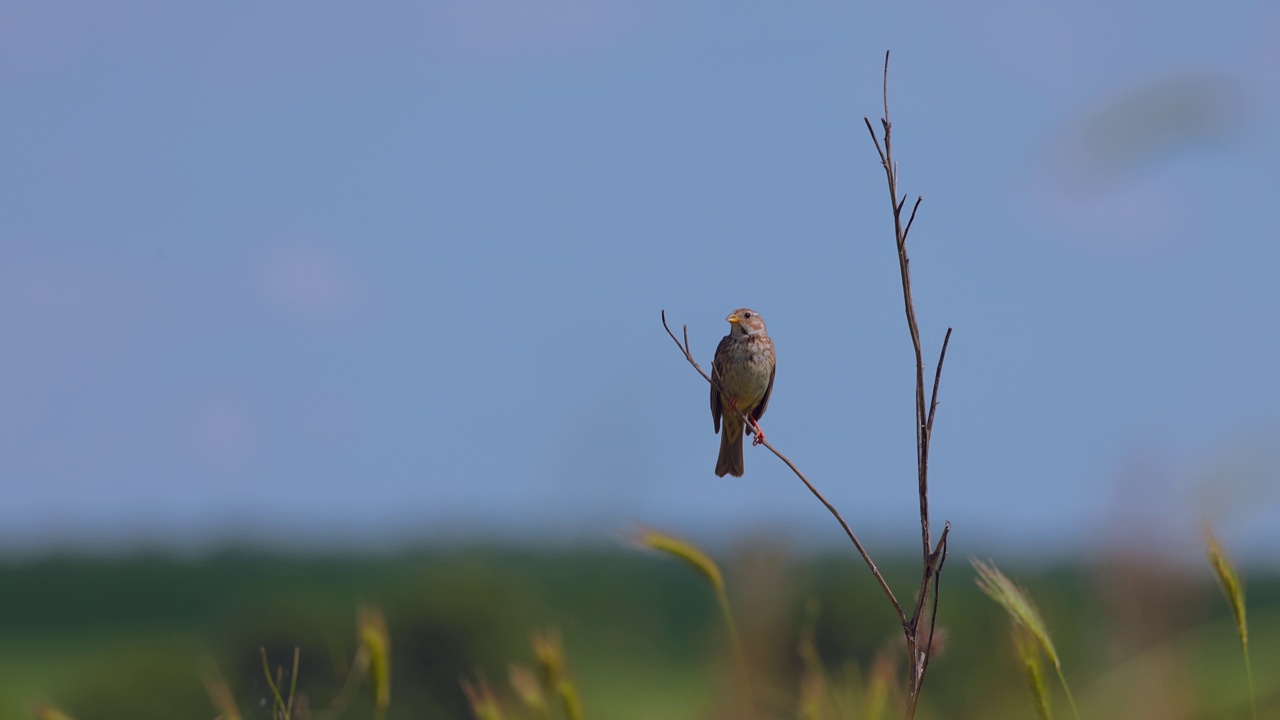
733, 319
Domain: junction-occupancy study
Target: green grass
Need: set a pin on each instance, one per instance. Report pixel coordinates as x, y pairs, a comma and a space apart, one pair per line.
114, 667
643, 636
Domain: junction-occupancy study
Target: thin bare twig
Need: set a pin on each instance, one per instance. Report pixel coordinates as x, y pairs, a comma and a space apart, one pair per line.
884, 85
911, 220
937, 380
866, 557
876, 139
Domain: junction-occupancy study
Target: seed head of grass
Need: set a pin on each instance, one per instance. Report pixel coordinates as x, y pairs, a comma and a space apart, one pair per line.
1234, 591
683, 551
484, 706
376, 643
526, 687
1017, 604
1229, 581
548, 648
1024, 614
702, 564
549, 651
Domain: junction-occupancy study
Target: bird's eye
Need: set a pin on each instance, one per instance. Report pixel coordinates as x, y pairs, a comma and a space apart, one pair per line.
746, 315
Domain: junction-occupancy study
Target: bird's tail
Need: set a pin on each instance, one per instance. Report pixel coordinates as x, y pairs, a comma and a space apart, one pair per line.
730, 461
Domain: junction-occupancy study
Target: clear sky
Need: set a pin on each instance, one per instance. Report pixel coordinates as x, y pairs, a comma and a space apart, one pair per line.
351, 274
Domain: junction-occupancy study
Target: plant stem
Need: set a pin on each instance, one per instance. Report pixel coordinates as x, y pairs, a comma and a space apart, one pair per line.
1075, 712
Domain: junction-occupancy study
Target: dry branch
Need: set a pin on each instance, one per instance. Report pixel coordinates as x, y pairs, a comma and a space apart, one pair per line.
933, 556
688, 355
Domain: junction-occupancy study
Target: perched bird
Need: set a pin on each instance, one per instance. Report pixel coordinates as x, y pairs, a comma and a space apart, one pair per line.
741, 380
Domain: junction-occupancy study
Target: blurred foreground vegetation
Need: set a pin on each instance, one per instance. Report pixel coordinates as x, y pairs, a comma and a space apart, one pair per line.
643, 637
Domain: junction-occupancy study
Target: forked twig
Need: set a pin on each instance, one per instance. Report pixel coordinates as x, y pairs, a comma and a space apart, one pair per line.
933, 557
938, 559
688, 355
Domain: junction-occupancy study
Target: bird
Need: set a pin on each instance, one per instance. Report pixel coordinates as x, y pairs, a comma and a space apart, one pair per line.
741, 382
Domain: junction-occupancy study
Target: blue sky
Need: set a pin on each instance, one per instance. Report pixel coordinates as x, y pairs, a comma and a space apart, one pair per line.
312, 273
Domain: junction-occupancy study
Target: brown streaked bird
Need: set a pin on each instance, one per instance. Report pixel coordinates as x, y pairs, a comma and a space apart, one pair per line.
742, 379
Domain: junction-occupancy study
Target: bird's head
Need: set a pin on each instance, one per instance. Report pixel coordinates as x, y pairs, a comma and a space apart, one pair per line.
745, 322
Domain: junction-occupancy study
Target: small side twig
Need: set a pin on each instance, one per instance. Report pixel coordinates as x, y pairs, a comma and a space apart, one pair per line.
911, 220
937, 380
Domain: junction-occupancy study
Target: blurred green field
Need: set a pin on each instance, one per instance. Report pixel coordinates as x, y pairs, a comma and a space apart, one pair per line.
126, 638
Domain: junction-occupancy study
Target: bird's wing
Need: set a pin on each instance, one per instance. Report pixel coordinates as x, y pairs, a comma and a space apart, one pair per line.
758, 412
717, 372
